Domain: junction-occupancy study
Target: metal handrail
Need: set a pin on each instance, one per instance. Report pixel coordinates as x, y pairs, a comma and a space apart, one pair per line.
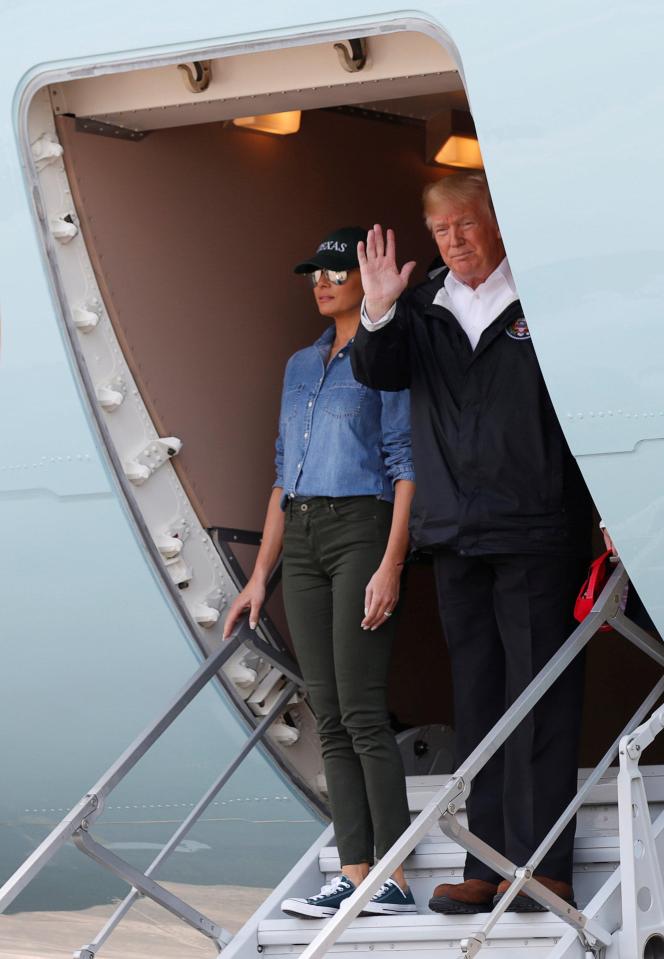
472, 945
92, 948
76, 823
148, 887
273, 646
443, 806
91, 804
224, 538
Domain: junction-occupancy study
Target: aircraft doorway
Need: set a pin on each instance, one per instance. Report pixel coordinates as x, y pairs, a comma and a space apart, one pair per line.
192, 231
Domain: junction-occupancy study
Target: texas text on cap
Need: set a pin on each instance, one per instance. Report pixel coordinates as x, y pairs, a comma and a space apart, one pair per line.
338, 251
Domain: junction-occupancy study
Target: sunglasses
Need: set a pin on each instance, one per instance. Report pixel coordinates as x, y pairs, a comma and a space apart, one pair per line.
338, 277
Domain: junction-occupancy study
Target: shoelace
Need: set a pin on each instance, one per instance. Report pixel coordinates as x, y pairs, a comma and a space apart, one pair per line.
330, 888
387, 885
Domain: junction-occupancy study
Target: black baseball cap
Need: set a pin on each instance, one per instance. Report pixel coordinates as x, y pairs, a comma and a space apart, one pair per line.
338, 251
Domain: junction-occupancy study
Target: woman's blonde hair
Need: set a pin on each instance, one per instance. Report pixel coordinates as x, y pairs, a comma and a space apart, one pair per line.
458, 188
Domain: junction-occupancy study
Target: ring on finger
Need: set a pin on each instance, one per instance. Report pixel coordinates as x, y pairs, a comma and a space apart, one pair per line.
387, 612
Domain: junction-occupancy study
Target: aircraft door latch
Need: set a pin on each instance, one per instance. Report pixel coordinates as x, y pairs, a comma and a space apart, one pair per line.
198, 79
356, 60
155, 454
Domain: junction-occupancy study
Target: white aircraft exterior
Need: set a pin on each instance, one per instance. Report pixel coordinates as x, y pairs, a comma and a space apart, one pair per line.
96, 635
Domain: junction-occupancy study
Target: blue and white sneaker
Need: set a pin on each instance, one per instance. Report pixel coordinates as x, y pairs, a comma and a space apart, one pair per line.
323, 904
390, 900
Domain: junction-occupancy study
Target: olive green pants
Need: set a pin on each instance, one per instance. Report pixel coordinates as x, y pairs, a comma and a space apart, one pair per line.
332, 547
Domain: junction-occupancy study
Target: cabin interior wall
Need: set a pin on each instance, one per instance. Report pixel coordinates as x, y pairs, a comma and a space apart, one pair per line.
193, 233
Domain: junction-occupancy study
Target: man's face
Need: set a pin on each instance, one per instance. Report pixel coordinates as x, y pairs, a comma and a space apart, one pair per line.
468, 239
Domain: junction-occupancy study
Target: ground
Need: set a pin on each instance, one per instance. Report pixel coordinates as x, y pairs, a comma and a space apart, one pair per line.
146, 932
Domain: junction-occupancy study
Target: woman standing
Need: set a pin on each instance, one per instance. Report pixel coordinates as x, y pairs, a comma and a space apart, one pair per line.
339, 509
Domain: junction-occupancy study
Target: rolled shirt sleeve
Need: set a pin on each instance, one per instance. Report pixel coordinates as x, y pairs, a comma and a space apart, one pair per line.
279, 442
395, 425
279, 461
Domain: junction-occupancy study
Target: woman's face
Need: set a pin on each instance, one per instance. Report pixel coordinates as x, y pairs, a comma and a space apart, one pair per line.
333, 300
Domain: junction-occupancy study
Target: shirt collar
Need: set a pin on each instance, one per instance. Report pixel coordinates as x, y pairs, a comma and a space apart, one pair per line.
325, 341
501, 275
326, 338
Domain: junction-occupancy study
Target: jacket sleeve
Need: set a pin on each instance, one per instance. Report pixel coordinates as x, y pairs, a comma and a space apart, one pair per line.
381, 359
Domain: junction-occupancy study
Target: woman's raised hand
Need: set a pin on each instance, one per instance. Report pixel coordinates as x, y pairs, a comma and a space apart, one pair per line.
383, 282
251, 598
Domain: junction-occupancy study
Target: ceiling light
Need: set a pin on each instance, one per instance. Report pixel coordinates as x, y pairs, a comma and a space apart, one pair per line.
280, 123
451, 141
461, 152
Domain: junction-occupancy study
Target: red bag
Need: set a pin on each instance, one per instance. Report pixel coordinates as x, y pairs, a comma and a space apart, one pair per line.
598, 574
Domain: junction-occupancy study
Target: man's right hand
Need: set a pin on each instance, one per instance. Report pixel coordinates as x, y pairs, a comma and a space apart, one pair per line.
608, 542
251, 598
383, 282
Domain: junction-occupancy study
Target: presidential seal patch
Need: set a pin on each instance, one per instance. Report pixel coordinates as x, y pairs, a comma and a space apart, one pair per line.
518, 330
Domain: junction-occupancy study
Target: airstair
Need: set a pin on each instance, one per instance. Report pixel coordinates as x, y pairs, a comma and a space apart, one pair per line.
436, 859
619, 847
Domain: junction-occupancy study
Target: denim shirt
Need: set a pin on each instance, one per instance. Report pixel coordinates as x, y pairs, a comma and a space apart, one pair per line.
336, 436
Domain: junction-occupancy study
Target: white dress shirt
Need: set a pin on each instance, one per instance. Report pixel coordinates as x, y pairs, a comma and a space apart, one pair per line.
473, 309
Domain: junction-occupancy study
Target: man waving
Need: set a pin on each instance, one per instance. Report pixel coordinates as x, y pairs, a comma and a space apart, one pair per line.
501, 505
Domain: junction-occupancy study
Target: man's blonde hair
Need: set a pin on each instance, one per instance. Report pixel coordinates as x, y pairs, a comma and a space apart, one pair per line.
457, 189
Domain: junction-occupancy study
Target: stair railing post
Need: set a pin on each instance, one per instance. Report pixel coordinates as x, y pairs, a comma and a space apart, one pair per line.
472, 945
148, 887
90, 950
90, 806
642, 884
605, 607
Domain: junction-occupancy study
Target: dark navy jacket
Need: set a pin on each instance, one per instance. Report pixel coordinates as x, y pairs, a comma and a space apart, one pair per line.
494, 472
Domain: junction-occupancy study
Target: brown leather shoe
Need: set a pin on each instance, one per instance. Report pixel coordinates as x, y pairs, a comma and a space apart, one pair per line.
472, 895
524, 903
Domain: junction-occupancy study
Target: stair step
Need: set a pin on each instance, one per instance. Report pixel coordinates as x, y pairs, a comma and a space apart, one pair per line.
534, 936
421, 789
433, 854
438, 858
588, 879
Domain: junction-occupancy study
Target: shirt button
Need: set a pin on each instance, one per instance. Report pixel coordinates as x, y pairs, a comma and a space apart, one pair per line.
306, 435
291, 496
341, 356
299, 465
310, 403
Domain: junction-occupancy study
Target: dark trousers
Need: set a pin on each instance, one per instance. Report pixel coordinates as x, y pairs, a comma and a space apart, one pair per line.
332, 547
504, 616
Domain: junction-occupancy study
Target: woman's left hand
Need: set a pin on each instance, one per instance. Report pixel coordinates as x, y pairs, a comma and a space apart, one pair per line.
381, 596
